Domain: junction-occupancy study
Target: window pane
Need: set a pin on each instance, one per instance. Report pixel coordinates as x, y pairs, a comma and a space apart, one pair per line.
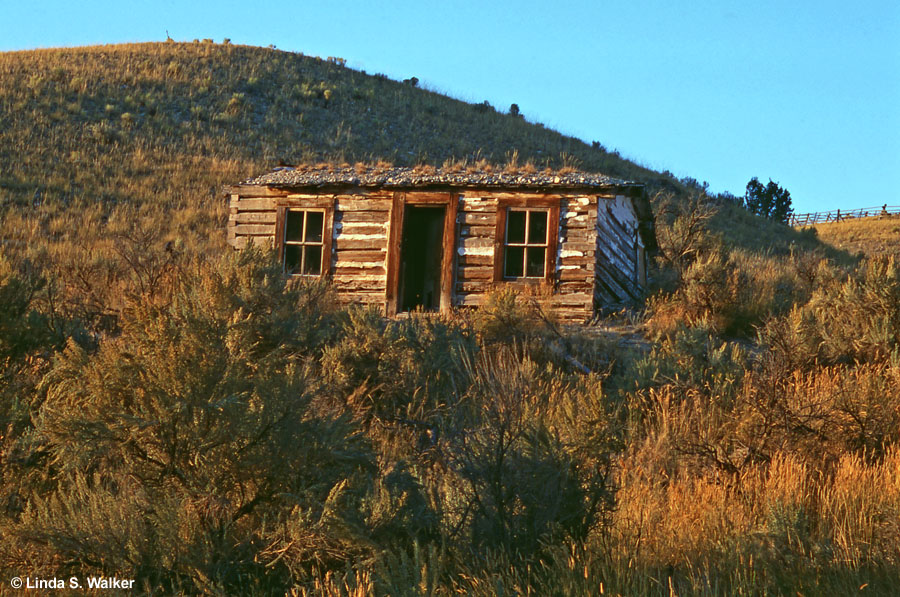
294, 228
313, 265
315, 220
292, 259
537, 228
515, 257
515, 226
535, 266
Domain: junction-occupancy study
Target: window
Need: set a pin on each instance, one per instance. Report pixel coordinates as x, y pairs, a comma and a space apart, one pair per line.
304, 241
526, 239
526, 243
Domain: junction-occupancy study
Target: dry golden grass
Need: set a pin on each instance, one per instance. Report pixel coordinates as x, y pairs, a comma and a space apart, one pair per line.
868, 236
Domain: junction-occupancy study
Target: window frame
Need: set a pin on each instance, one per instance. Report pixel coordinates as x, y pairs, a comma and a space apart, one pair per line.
323, 206
526, 242
550, 205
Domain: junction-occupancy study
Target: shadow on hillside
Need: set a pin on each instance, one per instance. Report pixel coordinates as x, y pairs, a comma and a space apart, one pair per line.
743, 230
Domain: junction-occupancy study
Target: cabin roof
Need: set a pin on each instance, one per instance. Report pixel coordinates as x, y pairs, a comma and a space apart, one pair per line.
428, 176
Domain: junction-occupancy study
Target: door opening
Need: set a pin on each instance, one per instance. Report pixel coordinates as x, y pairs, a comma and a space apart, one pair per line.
420, 258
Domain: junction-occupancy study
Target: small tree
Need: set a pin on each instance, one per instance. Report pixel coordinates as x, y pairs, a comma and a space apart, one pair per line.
770, 201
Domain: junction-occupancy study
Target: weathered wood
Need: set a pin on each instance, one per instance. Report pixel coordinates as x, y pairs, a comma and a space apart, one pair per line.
395, 236
306, 202
361, 228
377, 255
476, 273
586, 247
448, 257
328, 242
369, 244
580, 275
471, 300
528, 199
552, 242
360, 285
499, 238
476, 242
424, 198
357, 204
483, 231
242, 242
573, 299
590, 256
346, 269
365, 216
469, 287
279, 233
254, 229
255, 191
360, 297
466, 261
477, 218
245, 204
253, 217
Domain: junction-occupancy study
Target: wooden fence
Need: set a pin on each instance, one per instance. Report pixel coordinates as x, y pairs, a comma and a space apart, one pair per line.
839, 215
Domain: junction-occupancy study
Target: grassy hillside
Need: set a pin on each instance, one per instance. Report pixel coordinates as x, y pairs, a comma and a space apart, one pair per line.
863, 236
177, 413
169, 123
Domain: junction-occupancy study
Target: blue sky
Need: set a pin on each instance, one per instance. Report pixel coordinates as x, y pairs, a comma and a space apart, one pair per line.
806, 92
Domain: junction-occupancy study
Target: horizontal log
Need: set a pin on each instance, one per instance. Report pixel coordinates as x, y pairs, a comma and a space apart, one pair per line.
580, 234
573, 299
476, 242
477, 218
362, 216
472, 287
253, 217
344, 244
478, 231
575, 288
575, 275
255, 191
344, 255
255, 229
475, 260
362, 298
360, 228
413, 197
245, 204
364, 204
350, 271
572, 245
241, 242
476, 273
470, 300
580, 261
363, 285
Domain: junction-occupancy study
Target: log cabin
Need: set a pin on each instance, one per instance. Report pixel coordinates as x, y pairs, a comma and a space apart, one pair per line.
432, 239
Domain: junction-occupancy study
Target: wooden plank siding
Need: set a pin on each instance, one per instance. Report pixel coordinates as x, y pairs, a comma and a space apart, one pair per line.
617, 242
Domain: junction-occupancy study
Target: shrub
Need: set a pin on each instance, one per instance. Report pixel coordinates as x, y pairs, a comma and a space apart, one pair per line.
532, 457
197, 420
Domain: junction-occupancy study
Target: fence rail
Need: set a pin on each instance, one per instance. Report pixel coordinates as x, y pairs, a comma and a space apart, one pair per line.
838, 215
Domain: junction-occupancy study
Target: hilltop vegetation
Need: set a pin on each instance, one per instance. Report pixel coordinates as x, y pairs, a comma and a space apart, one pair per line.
179, 414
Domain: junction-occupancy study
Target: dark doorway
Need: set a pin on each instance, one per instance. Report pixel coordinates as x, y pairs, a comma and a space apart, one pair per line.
420, 258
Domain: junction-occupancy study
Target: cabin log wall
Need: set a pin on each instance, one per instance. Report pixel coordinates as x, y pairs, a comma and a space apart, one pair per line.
596, 255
